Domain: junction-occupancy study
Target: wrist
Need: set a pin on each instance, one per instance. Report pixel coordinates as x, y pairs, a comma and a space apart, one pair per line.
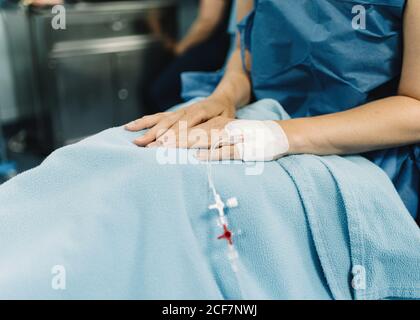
224, 101
297, 141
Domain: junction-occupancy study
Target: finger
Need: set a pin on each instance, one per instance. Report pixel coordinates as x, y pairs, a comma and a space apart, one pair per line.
206, 137
223, 153
216, 134
200, 136
167, 143
145, 122
177, 132
196, 116
159, 129
192, 139
190, 119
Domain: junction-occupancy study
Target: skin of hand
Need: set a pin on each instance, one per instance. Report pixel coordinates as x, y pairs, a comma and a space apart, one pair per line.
167, 127
199, 137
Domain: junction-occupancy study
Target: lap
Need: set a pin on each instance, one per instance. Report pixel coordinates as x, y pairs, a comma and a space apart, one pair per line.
106, 206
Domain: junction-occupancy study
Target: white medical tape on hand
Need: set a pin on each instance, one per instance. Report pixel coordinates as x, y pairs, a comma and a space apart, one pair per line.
258, 140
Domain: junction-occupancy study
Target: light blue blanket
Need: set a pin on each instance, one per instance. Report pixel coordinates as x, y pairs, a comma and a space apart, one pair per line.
102, 219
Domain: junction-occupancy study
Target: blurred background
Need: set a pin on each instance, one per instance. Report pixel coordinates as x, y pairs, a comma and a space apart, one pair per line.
115, 61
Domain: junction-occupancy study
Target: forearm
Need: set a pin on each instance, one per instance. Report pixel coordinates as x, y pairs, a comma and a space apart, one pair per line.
235, 87
385, 123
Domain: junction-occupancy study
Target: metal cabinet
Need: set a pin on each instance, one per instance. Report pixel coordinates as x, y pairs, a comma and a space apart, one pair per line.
94, 74
84, 102
132, 85
16, 69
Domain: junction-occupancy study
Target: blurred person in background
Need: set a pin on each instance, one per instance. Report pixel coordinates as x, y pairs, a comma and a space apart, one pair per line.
204, 48
37, 3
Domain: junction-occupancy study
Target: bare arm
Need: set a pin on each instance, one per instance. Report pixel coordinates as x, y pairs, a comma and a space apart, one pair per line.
385, 123
209, 16
235, 87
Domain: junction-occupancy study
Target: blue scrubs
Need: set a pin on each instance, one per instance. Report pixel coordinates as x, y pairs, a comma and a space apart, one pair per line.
323, 56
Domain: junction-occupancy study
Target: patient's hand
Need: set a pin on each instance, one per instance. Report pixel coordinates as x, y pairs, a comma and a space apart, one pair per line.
174, 129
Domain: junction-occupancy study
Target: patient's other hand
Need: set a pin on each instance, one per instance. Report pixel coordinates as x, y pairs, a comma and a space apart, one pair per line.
171, 122
41, 3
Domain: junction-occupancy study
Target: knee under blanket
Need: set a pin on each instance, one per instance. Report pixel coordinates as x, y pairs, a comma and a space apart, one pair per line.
110, 222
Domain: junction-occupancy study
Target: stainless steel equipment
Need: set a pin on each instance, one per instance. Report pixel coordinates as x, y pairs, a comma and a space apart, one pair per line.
93, 74
16, 65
